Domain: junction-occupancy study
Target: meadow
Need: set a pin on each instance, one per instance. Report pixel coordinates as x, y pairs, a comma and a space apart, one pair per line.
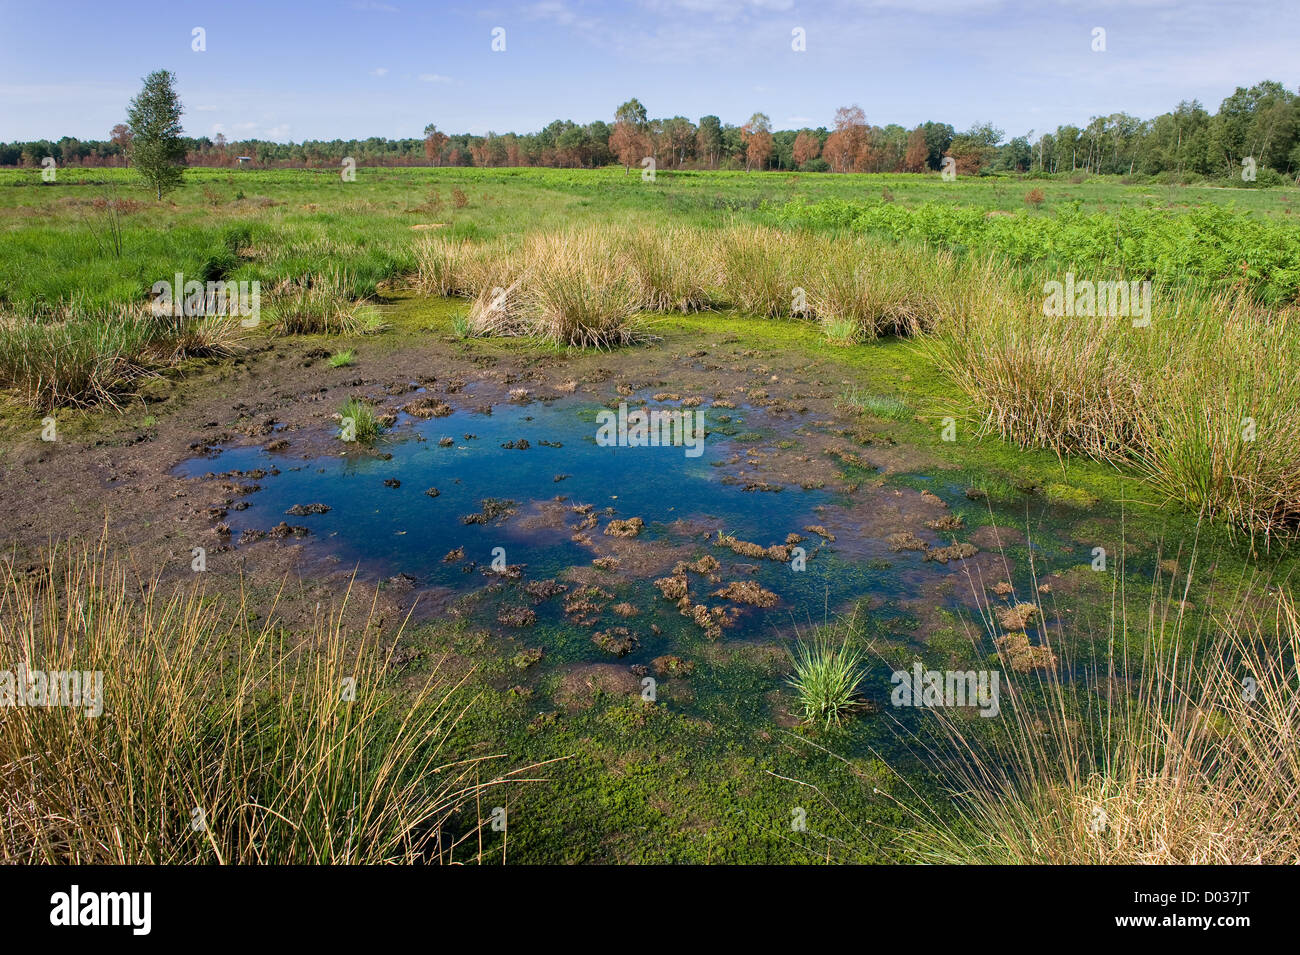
62, 239
924, 302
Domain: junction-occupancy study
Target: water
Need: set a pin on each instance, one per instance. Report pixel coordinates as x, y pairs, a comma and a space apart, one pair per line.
684, 501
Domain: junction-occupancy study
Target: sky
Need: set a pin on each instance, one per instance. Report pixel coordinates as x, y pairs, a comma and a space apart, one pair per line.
343, 69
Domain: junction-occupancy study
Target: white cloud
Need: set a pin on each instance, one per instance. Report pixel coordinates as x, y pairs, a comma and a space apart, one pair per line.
379, 71
434, 78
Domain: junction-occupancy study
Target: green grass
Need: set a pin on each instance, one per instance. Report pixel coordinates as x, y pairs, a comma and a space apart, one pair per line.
296, 222
663, 783
879, 406
932, 263
342, 359
359, 422
1212, 247
827, 677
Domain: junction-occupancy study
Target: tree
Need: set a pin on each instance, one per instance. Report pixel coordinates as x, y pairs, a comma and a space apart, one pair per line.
631, 112
120, 137
917, 152
433, 142
975, 149
708, 140
806, 147
154, 125
847, 145
679, 137
629, 144
1261, 122
628, 141
938, 137
757, 136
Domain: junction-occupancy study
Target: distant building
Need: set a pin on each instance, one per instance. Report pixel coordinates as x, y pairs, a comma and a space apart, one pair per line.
243, 159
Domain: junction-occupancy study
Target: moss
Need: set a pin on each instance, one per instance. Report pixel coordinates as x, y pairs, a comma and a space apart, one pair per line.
1066, 495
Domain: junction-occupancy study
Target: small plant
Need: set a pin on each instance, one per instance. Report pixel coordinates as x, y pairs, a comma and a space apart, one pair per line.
1034, 197
826, 678
343, 359
358, 422
459, 199
369, 321
879, 406
841, 331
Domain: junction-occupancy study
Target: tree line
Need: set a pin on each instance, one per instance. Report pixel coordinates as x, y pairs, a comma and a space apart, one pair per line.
1260, 123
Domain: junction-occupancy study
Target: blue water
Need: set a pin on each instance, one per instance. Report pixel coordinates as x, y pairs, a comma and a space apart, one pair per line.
386, 531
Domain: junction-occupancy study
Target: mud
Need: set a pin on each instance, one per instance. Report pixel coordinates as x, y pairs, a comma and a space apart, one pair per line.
113, 474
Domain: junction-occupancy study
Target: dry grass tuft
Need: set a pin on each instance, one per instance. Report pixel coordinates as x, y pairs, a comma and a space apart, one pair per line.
1185, 754
219, 742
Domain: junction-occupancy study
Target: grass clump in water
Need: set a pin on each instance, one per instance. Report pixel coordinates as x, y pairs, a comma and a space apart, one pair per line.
879, 406
827, 677
359, 422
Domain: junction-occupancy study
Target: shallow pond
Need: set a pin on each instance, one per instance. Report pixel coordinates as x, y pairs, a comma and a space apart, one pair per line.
529, 487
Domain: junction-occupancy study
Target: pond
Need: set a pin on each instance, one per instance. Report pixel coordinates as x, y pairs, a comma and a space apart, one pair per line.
512, 516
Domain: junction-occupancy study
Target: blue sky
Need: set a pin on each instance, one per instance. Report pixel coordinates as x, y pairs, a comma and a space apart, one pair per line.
354, 68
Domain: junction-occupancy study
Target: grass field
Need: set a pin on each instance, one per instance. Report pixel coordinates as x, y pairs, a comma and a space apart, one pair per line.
276, 225
923, 304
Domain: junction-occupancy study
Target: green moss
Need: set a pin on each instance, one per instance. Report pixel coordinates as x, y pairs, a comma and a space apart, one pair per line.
1067, 496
